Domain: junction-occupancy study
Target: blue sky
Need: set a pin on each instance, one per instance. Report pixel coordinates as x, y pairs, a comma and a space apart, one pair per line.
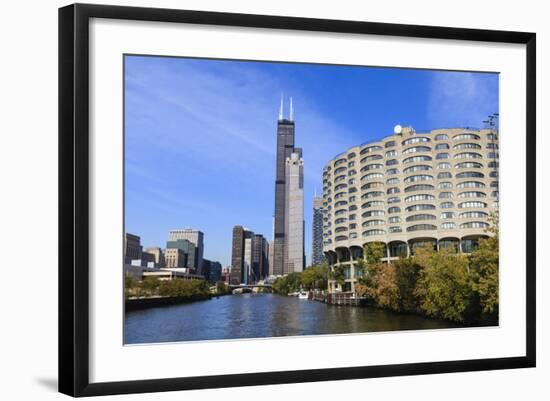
200, 134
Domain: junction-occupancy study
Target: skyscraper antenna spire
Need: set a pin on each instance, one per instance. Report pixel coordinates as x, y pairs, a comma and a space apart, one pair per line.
291, 110
281, 109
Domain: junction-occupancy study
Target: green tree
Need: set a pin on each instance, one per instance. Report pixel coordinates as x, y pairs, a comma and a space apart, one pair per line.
406, 276
484, 263
150, 286
338, 274
315, 277
444, 286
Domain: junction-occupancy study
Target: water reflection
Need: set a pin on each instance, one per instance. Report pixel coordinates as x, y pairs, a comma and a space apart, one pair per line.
262, 315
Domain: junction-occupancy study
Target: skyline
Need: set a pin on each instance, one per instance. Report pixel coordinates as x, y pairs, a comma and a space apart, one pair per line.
228, 167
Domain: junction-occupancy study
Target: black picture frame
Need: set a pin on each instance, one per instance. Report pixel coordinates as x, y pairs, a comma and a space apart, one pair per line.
74, 198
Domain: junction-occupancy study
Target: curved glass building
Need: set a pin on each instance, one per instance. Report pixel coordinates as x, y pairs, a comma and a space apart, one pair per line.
408, 190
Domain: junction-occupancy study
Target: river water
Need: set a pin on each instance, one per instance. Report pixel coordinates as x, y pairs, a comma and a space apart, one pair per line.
262, 315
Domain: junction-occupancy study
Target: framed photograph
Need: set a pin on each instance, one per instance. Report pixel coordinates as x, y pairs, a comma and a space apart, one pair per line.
251, 199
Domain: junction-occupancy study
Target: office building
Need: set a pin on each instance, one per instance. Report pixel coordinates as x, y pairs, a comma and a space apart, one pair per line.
317, 256
294, 214
175, 258
158, 256
285, 149
196, 237
132, 248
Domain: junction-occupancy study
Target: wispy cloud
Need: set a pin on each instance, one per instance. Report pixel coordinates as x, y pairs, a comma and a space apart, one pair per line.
462, 99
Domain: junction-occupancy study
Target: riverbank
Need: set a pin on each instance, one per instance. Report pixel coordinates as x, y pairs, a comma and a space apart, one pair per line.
132, 304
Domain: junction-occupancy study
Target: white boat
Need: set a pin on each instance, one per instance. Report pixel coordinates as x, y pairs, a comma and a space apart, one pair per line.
303, 295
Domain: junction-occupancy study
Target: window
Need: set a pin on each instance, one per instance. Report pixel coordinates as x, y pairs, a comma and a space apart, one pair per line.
445, 185
352, 190
494, 194
462, 137
471, 184
421, 227
469, 245
341, 238
392, 181
340, 229
372, 194
390, 144
392, 171
340, 203
372, 167
340, 186
415, 208
352, 172
352, 208
394, 220
467, 145
419, 197
472, 205
442, 146
339, 161
371, 223
393, 190
470, 174
352, 181
370, 233
472, 215
340, 178
339, 195
370, 149
492, 155
447, 215
372, 185
394, 199
418, 217
493, 174
340, 170
351, 155
469, 165
415, 159
491, 146
446, 205
416, 149
443, 165
372, 204
394, 209
372, 176
468, 155
419, 187
441, 137
472, 194
416, 139
444, 175
394, 230
445, 195
421, 177
448, 225
340, 212
440, 156
391, 153
352, 199
491, 137
392, 162
474, 224
370, 158
417, 168
494, 184
340, 220
373, 213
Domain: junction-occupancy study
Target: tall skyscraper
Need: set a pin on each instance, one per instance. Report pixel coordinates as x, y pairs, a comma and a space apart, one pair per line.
260, 250
249, 257
197, 238
285, 148
317, 237
294, 214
